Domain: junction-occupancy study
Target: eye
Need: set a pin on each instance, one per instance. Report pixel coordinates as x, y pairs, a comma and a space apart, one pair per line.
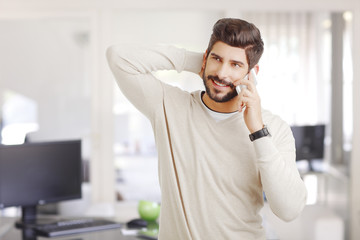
237, 65
216, 58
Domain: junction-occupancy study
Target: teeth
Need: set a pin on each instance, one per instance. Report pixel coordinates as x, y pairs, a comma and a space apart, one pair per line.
219, 84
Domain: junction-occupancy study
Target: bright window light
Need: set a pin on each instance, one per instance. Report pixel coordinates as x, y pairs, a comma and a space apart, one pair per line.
19, 117
16, 133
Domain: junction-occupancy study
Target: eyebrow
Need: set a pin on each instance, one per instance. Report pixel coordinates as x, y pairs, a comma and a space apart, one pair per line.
233, 61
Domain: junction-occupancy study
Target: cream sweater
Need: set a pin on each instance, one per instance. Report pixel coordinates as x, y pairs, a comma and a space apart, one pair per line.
212, 177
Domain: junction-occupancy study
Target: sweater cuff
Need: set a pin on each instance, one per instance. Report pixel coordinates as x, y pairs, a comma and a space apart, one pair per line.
264, 148
193, 61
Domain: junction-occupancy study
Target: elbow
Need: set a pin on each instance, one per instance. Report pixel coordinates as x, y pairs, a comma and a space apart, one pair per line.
290, 210
110, 54
291, 215
116, 56
115, 61
288, 215
119, 61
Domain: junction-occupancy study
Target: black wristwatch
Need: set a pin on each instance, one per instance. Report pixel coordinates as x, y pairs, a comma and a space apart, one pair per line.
259, 134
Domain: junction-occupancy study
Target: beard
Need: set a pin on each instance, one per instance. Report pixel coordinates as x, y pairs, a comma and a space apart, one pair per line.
214, 94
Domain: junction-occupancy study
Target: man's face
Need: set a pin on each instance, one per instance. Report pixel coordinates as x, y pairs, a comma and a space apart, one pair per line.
224, 65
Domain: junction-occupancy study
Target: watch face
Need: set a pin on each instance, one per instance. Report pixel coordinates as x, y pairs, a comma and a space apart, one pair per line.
266, 131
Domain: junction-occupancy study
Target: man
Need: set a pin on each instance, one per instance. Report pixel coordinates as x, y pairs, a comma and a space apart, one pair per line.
212, 175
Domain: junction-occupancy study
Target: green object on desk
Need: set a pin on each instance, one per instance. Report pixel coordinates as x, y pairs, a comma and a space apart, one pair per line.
149, 211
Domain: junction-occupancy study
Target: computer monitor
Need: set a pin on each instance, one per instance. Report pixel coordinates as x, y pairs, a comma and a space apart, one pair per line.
309, 143
34, 174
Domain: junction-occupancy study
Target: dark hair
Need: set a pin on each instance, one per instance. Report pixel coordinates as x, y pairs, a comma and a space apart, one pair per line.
238, 33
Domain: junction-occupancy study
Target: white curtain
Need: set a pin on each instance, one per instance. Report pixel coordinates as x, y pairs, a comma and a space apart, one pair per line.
294, 77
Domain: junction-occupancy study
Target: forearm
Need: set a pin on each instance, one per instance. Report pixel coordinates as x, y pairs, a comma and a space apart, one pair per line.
282, 184
142, 60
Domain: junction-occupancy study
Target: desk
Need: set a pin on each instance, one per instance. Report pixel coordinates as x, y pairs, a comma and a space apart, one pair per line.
17, 234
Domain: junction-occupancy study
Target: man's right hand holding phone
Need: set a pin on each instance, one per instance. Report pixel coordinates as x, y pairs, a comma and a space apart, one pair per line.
250, 100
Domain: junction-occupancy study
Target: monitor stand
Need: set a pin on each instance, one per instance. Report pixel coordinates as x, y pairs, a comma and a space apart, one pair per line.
29, 218
27, 222
315, 165
311, 167
28, 234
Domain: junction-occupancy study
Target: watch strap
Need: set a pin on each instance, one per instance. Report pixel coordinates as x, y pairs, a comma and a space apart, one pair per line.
259, 134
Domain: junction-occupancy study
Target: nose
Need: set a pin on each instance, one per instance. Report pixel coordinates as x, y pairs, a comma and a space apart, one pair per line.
223, 71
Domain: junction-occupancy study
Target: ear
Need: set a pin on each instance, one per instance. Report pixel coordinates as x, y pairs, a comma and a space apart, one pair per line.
256, 68
203, 64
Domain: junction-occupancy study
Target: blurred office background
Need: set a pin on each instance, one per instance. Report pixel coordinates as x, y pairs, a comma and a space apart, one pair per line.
55, 84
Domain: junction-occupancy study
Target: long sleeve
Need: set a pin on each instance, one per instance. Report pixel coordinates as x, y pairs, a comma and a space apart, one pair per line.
211, 176
282, 184
133, 67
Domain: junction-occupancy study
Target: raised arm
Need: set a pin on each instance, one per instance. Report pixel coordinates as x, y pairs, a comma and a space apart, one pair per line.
133, 67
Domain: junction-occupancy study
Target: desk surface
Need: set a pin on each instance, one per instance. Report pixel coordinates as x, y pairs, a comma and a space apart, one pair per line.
9, 232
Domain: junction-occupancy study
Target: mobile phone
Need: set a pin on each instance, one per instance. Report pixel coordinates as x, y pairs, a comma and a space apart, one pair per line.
239, 87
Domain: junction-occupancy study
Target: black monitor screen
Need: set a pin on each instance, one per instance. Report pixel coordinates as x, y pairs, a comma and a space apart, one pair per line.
309, 141
39, 173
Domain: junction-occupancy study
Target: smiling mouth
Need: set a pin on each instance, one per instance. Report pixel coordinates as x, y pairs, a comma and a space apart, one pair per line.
220, 84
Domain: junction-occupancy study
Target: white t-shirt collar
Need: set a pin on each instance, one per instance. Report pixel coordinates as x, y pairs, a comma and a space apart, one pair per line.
217, 116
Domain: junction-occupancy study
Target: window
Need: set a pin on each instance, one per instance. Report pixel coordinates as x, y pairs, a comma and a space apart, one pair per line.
19, 117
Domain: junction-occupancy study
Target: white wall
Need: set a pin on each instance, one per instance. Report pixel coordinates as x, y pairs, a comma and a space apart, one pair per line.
44, 61
244, 5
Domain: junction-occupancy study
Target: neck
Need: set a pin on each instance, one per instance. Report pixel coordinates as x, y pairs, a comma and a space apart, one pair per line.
223, 107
